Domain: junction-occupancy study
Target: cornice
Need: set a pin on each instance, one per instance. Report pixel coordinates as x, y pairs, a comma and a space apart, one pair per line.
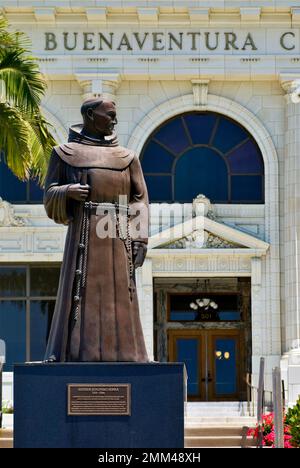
221, 4
163, 13
201, 223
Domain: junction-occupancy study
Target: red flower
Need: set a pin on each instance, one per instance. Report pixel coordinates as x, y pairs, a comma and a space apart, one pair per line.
267, 428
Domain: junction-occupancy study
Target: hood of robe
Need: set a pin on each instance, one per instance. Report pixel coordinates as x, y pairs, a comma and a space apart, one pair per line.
84, 151
76, 135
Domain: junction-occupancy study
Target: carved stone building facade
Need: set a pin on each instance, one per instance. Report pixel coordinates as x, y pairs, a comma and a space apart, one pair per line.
207, 95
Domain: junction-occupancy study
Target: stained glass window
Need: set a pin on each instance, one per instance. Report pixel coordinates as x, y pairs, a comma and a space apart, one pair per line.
203, 153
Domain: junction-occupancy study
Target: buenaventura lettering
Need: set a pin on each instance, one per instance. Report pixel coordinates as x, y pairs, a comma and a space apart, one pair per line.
160, 41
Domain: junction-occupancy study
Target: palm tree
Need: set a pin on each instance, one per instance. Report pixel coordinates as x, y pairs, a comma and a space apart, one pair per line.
25, 140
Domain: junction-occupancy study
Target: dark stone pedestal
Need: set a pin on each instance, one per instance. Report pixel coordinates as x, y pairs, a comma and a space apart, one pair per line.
157, 406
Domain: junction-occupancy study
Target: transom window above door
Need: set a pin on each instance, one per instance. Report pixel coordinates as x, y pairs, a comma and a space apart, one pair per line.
203, 152
203, 307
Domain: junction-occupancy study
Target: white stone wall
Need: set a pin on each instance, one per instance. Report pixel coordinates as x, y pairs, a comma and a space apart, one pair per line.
62, 104
135, 99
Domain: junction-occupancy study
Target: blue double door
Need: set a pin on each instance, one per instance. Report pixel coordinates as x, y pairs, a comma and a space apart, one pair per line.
214, 362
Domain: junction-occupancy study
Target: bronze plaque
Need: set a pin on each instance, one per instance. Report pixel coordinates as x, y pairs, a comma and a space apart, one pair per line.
99, 399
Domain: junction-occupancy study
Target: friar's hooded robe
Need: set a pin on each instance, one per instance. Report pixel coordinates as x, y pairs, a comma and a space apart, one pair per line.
108, 327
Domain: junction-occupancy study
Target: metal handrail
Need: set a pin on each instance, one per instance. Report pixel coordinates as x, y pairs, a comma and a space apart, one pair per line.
260, 401
256, 397
278, 408
250, 399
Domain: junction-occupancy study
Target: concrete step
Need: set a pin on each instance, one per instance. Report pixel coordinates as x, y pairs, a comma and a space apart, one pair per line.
6, 432
6, 442
216, 441
193, 409
215, 409
221, 421
7, 420
216, 404
213, 412
199, 431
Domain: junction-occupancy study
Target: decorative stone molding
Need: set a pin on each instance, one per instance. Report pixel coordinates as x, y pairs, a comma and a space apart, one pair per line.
97, 60
96, 15
199, 14
216, 242
91, 88
26, 243
148, 15
295, 16
119, 12
110, 88
99, 84
291, 86
256, 275
202, 240
58, 130
200, 91
192, 231
250, 14
202, 206
192, 264
7, 215
45, 15
250, 59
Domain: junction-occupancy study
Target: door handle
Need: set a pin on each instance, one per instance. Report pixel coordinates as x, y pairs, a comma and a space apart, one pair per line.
207, 379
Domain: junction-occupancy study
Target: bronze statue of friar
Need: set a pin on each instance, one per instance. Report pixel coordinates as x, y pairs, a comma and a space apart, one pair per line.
97, 188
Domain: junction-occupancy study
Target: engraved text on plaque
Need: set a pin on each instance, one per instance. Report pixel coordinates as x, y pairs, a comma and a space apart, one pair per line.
98, 399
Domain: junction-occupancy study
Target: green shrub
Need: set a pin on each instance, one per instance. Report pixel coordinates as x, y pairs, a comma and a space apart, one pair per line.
293, 420
7, 407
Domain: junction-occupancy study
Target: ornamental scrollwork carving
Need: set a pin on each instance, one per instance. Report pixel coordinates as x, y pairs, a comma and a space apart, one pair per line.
7, 215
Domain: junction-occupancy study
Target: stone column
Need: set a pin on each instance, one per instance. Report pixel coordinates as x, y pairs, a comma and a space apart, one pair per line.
258, 302
144, 282
292, 214
291, 298
99, 85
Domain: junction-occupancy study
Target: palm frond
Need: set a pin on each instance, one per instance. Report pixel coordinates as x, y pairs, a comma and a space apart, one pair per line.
16, 39
25, 138
14, 140
24, 85
41, 143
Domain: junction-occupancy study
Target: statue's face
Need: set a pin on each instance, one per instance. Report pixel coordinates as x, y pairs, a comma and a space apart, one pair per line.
104, 118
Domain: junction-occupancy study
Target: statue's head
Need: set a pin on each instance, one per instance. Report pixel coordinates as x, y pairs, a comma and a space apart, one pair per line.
99, 116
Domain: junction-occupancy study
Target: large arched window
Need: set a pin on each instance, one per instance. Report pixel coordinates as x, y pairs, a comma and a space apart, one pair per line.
203, 152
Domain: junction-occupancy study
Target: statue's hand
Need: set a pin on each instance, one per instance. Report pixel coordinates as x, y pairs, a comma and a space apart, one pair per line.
78, 192
139, 250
